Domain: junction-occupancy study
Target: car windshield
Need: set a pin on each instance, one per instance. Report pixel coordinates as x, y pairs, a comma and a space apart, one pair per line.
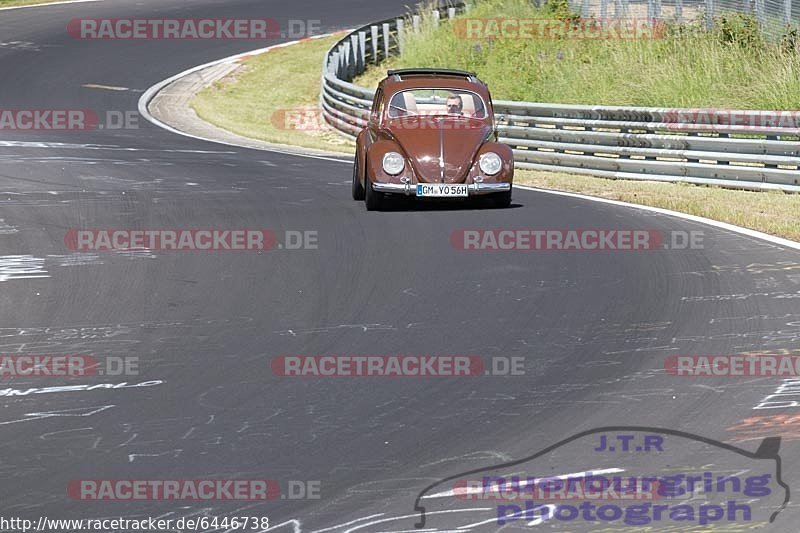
450, 102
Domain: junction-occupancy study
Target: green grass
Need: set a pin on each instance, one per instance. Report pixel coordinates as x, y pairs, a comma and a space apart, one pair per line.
256, 100
771, 212
15, 3
687, 67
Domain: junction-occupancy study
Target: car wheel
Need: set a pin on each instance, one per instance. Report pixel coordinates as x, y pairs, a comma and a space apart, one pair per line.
501, 200
373, 199
357, 189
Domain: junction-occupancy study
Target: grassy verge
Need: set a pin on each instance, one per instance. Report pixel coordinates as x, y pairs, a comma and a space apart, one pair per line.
274, 97
682, 66
17, 3
775, 213
245, 101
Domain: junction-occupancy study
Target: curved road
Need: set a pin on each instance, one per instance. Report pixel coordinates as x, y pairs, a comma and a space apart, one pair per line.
594, 328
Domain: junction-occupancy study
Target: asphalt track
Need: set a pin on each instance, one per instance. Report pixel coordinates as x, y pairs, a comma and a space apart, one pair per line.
593, 328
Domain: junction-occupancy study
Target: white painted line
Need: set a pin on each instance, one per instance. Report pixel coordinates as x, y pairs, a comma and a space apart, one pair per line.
780, 241
350, 523
105, 87
403, 517
150, 93
62, 2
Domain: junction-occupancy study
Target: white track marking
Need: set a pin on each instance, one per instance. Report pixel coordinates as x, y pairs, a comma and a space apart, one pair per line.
22, 267
702, 220
150, 93
415, 515
350, 523
104, 87
50, 4
82, 411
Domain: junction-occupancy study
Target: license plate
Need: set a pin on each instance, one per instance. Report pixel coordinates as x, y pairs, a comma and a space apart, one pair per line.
440, 190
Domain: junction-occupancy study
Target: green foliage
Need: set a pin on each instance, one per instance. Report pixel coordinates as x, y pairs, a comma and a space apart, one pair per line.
561, 10
739, 29
676, 66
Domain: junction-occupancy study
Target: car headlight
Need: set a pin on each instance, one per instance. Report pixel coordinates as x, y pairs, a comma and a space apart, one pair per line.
393, 163
490, 163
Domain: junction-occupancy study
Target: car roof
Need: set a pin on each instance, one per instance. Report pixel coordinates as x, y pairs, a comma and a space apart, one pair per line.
420, 78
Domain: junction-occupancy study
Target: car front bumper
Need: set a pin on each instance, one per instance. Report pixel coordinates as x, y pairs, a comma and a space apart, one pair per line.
410, 189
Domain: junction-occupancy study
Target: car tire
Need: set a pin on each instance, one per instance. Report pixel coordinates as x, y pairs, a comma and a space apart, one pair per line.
500, 200
373, 199
357, 189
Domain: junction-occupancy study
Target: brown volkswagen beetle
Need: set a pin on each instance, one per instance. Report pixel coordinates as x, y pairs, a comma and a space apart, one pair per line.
431, 134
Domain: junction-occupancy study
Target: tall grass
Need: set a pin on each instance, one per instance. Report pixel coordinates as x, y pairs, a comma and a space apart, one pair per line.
686, 66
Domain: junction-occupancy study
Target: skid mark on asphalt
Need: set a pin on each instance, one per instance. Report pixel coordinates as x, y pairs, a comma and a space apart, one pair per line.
80, 412
327, 329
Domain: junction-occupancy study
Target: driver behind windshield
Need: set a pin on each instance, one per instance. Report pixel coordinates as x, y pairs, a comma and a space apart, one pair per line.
454, 105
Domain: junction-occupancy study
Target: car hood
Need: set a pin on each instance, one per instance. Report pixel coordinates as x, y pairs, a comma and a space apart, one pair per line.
435, 142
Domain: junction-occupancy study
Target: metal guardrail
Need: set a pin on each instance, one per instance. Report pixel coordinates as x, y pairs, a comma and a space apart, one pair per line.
774, 16
735, 149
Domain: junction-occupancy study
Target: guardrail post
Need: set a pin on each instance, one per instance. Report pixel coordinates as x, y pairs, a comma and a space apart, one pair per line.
787, 12
760, 16
710, 14
374, 36
362, 48
401, 24
679, 11
451, 13
603, 12
385, 40
435, 18
585, 9
345, 59
356, 56
415, 22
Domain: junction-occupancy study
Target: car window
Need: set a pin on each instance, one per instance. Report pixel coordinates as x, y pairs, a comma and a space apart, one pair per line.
377, 106
452, 102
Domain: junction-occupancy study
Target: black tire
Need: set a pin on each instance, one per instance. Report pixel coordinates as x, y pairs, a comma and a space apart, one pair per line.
373, 199
357, 189
500, 200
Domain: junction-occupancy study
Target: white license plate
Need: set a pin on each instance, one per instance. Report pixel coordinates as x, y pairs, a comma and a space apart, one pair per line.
440, 190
